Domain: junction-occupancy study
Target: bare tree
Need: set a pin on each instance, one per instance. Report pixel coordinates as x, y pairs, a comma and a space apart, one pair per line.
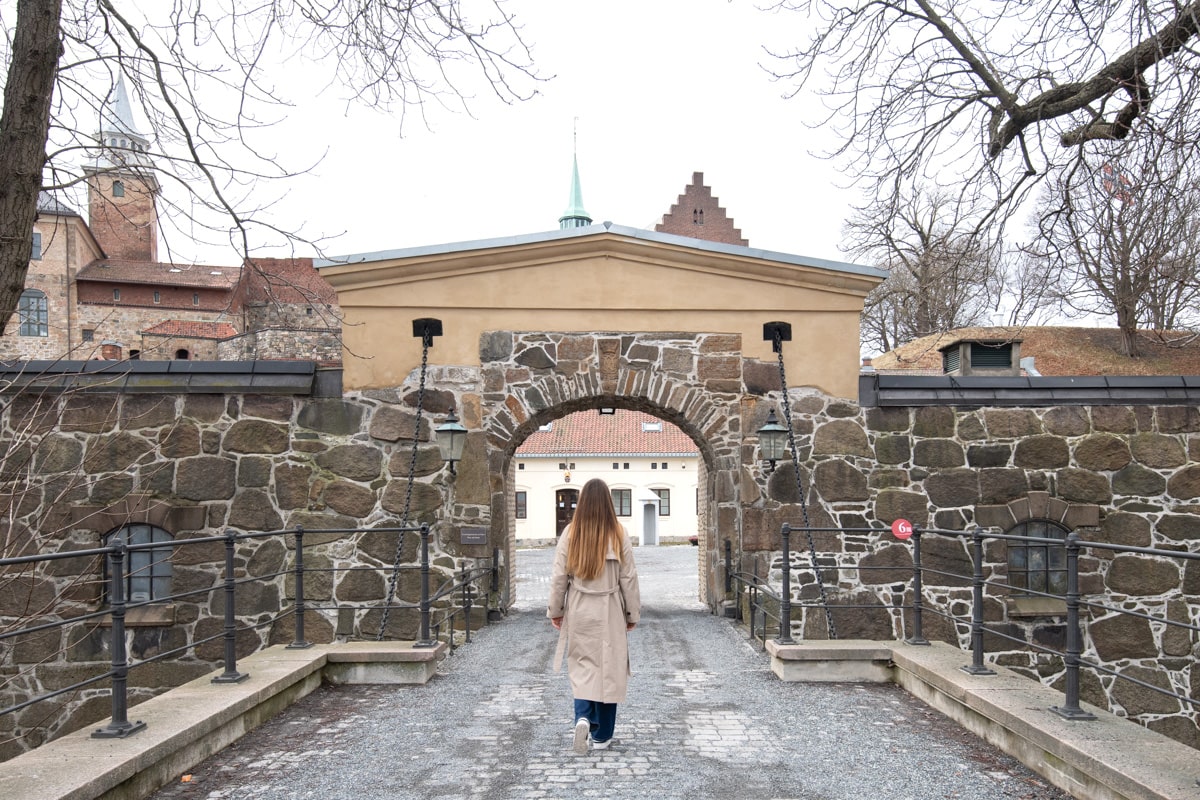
992, 95
1120, 233
209, 81
942, 272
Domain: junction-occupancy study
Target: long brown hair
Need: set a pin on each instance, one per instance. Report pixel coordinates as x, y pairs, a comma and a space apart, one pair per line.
595, 531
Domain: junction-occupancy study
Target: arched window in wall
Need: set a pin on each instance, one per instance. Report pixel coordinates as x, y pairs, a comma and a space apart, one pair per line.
1036, 568
34, 313
147, 572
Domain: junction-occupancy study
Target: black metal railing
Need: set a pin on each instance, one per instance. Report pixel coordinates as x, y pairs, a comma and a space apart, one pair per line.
440, 612
766, 598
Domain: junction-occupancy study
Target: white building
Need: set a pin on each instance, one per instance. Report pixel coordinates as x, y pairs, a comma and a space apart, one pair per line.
651, 467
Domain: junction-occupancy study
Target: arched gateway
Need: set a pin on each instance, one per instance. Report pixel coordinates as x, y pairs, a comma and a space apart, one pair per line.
541, 326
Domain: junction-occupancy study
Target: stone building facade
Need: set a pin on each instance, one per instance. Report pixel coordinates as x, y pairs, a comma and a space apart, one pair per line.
199, 464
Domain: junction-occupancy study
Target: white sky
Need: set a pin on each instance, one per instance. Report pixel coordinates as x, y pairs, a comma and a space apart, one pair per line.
661, 89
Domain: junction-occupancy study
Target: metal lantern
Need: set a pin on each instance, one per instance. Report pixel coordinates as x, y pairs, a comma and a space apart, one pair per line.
451, 438
772, 440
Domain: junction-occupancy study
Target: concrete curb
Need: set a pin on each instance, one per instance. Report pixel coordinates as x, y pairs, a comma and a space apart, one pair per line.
78, 767
1109, 758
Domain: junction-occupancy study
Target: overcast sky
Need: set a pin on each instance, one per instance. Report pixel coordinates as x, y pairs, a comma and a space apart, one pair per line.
657, 90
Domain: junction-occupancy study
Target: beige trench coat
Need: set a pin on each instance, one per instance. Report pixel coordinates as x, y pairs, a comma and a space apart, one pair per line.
595, 614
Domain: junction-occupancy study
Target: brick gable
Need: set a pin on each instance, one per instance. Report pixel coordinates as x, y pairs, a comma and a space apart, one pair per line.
699, 215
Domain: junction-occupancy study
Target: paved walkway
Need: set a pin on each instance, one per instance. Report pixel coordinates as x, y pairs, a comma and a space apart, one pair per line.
705, 718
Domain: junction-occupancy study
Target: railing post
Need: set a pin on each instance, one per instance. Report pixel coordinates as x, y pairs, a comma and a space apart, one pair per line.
299, 642
119, 726
785, 594
230, 675
466, 603
1070, 709
976, 666
918, 636
425, 640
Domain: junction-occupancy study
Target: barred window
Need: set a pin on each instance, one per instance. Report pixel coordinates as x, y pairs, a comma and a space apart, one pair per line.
1038, 567
147, 572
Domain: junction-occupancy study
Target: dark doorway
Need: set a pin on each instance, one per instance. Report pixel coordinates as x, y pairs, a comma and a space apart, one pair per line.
565, 501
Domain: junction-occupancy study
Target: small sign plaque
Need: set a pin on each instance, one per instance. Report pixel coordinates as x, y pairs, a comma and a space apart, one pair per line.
473, 535
902, 529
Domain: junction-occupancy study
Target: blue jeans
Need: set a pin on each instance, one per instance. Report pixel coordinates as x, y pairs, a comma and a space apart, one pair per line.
602, 717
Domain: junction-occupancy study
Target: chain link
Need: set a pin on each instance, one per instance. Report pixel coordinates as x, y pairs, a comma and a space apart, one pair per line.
812, 547
412, 471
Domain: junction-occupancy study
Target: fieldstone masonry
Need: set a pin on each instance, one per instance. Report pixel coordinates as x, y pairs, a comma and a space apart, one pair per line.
198, 465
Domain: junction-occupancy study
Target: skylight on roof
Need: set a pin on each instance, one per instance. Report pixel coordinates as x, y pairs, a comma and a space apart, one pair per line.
549, 426
652, 427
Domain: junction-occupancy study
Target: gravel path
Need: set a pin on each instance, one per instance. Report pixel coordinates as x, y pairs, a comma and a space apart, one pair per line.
704, 718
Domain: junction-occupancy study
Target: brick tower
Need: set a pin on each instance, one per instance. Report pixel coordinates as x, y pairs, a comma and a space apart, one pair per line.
122, 188
699, 215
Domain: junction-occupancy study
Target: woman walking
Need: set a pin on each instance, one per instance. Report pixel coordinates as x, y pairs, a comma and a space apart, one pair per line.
594, 602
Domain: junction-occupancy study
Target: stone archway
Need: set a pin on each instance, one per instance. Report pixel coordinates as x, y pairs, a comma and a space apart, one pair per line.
693, 380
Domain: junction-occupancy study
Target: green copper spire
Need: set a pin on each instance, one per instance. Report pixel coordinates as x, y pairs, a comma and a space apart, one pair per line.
575, 216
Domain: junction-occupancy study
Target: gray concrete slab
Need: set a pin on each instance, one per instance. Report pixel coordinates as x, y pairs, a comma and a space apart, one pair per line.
705, 718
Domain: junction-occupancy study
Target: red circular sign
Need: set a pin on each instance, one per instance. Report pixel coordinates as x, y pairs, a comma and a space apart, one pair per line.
902, 529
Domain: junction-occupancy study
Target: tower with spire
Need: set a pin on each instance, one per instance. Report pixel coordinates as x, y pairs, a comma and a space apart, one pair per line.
575, 216
122, 188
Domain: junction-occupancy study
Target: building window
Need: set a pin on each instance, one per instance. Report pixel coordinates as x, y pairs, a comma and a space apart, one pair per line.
147, 572
664, 465
182, 354
116, 294
623, 502
653, 465
34, 313
626, 465
195, 298
565, 465
157, 297
616, 465
521, 466
652, 427
1036, 567
36, 254
135, 355
522, 505
118, 189
89, 335
664, 501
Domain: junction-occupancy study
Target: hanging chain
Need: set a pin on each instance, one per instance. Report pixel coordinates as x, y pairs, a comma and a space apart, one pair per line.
812, 547
426, 340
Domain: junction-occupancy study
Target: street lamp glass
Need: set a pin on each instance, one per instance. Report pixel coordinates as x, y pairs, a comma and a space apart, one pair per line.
451, 437
772, 439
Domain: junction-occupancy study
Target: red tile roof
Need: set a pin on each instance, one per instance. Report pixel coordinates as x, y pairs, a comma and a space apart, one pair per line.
620, 434
192, 329
159, 274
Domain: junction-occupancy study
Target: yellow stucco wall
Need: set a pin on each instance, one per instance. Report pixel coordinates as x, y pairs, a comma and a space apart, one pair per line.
601, 282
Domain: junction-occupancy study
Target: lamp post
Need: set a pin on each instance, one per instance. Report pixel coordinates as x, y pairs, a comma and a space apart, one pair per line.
451, 438
772, 441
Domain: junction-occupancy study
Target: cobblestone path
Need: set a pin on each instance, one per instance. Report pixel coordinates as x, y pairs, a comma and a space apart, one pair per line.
705, 718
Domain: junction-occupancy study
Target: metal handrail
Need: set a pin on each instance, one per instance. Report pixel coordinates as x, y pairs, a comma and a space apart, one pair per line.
477, 581
738, 583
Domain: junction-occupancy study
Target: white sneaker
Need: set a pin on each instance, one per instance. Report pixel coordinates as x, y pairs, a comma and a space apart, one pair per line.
600, 745
582, 729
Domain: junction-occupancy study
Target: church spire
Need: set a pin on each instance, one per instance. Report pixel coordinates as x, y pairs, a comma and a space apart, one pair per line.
575, 216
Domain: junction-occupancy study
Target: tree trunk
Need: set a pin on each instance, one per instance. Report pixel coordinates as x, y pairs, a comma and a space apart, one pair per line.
24, 126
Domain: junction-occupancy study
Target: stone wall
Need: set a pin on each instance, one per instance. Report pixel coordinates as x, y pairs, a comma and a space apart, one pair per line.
197, 466
80, 466
1116, 474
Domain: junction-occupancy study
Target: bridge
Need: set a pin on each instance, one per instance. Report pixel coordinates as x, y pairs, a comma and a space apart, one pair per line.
707, 716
